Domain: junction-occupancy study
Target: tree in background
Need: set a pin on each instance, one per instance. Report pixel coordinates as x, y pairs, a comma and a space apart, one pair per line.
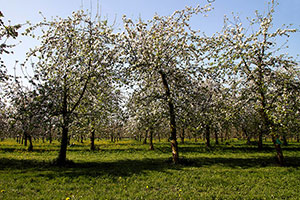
253, 58
159, 50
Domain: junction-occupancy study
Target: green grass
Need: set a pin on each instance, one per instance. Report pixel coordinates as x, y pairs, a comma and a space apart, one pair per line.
128, 170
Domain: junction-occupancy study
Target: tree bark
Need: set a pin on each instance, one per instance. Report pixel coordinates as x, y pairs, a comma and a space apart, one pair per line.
112, 137
50, 136
62, 156
25, 139
151, 139
93, 140
81, 138
173, 139
260, 139
182, 136
145, 138
216, 138
158, 135
61, 160
30, 147
248, 140
207, 136
285, 142
247, 135
222, 136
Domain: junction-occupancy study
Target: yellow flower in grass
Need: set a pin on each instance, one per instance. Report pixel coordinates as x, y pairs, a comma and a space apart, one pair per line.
68, 198
2, 191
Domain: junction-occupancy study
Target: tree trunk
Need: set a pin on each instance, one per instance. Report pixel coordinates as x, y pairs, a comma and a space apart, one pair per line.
260, 139
216, 138
50, 136
62, 157
227, 134
93, 140
69, 140
266, 128
182, 136
222, 136
247, 135
25, 139
207, 136
111, 138
248, 140
30, 147
285, 142
151, 139
145, 138
173, 139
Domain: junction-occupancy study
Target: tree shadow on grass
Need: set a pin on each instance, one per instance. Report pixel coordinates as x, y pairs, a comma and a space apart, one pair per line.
200, 148
124, 168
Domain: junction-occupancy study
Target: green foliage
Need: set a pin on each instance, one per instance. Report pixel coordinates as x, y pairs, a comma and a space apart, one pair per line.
127, 170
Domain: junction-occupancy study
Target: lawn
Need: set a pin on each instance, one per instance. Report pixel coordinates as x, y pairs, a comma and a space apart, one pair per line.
129, 170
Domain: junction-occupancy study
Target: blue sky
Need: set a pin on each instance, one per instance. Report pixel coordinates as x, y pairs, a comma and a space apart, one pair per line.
19, 11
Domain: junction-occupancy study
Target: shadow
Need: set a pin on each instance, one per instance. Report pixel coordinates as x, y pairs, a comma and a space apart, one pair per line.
237, 148
124, 168
203, 149
116, 169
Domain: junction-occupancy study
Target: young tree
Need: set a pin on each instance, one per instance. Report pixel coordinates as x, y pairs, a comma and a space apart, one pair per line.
254, 60
73, 52
159, 50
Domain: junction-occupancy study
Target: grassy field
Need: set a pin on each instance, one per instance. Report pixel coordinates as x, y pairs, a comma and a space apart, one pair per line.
128, 170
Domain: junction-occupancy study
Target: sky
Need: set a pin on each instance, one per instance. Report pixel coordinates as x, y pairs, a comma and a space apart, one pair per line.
19, 11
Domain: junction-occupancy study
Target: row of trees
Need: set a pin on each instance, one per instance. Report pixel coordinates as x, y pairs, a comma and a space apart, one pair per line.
89, 79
